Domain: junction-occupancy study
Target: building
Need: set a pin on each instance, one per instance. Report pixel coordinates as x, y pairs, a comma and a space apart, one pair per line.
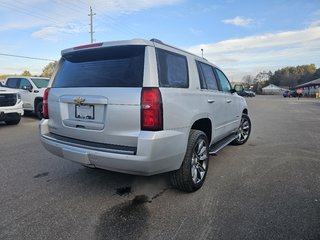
310, 89
272, 90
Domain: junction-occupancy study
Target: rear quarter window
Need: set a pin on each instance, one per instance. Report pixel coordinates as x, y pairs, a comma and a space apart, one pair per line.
172, 69
120, 66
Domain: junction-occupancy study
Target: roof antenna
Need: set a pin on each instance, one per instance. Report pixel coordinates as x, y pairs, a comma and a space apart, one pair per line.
202, 52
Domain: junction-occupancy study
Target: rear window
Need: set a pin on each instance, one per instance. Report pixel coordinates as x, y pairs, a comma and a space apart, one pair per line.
172, 69
120, 66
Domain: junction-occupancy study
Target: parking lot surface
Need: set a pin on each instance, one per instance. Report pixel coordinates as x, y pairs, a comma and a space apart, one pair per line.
268, 188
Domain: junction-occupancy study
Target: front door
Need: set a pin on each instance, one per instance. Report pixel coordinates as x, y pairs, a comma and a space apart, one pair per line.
26, 95
231, 103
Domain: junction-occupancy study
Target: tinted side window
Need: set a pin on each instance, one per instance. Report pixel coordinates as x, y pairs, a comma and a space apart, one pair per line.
224, 82
41, 82
207, 76
119, 66
172, 69
24, 82
12, 82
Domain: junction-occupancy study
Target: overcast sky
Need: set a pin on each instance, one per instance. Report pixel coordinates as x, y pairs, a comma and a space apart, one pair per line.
240, 36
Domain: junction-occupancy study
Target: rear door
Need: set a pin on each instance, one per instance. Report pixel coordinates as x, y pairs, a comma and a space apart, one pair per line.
214, 99
95, 95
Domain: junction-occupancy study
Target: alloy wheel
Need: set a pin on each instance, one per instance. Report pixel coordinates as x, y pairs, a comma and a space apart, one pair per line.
199, 161
244, 130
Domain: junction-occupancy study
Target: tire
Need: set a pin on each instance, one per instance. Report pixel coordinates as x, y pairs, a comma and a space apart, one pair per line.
244, 131
13, 122
192, 173
39, 111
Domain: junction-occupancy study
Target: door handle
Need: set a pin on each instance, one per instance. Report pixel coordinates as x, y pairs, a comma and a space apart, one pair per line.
229, 101
210, 101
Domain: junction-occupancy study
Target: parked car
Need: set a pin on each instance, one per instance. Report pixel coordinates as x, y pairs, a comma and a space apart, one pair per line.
293, 93
141, 107
242, 92
250, 93
31, 90
10, 106
286, 93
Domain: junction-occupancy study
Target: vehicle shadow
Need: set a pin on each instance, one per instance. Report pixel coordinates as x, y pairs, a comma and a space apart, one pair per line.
119, 184
29, 114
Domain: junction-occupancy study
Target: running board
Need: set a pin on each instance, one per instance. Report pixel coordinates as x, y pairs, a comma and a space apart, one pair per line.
221, 144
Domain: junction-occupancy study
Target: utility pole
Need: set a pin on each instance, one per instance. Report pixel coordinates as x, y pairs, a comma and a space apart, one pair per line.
91, 24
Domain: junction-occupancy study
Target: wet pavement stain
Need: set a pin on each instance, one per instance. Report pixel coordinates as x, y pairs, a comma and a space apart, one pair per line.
127, 220
124, 191
141, 199
41, 175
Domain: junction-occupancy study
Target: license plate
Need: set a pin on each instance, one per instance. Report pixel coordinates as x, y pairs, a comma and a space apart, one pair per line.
84, 111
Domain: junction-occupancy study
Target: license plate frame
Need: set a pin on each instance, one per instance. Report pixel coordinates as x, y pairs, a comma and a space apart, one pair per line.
84, 111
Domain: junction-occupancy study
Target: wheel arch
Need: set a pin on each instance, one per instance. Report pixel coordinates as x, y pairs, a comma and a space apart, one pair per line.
204, 125
36, 101
245, 111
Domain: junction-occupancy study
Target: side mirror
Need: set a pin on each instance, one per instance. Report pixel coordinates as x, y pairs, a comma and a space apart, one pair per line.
233, 90
29, 88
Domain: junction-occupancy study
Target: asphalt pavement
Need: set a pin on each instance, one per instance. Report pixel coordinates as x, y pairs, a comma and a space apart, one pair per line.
268, 188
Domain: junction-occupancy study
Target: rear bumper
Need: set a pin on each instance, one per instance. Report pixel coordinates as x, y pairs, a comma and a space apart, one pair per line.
156, 152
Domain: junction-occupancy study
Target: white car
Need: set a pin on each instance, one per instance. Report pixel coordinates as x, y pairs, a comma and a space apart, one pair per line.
141, 107
10, 106
31, 90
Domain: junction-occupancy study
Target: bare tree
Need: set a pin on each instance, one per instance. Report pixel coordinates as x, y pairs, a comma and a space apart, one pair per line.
248, 79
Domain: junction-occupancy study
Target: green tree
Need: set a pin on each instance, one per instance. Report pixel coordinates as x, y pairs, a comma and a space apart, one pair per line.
26, 73
48, 69
316, 75
276, 77
292, 76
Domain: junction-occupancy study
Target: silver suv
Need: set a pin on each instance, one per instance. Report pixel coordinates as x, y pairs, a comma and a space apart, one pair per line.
141, 107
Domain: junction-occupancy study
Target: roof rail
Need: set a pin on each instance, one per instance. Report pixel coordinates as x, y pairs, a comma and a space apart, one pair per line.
156, 40
160, 42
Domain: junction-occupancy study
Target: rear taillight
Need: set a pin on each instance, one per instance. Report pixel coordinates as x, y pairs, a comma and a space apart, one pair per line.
151, 109
45, 104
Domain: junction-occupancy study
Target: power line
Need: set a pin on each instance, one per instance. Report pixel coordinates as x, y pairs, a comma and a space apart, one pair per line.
124, 28
23, 10
34, 58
